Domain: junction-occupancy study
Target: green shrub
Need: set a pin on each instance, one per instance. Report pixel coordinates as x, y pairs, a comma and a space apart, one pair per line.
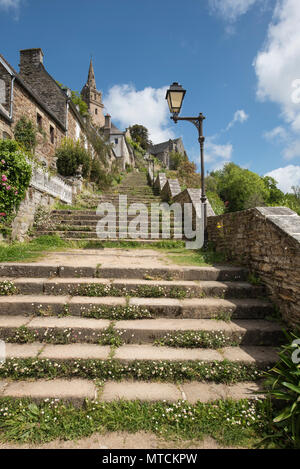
15, 174
283, 384
216, 203
70, 155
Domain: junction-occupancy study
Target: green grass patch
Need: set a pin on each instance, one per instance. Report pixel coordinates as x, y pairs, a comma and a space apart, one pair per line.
228, 422
10, 252
199, 257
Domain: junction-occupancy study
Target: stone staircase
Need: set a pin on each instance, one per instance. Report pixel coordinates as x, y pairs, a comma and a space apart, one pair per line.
79, 225
101, 325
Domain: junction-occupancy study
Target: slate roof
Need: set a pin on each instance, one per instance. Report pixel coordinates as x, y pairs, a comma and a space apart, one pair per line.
160, 147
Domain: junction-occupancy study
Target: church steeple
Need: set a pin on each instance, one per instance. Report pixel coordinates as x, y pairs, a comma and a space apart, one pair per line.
93, 98
91, 77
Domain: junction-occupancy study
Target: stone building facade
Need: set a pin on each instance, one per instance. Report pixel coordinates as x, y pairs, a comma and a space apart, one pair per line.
33, 93
123, 153
163, 150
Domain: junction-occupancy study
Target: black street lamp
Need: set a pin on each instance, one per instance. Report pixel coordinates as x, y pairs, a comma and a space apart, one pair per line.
175, 95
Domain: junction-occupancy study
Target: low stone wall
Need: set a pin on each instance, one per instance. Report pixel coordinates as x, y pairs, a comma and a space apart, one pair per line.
267, 241
160, 182
44, 190
193, 196
25, 216
170, 189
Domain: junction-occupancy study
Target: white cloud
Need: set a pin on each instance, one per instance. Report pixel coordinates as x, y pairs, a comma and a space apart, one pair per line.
147, 107
276, 135
6, 4
216, 155
286, 177
292, 150
277, 67
230, 10
239, 116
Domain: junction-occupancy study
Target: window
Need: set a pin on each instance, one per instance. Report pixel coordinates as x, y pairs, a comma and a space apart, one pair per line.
52, 136
116, 141
96, 111
39, 121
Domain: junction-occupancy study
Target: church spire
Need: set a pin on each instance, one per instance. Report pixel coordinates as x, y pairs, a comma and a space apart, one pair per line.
91, 82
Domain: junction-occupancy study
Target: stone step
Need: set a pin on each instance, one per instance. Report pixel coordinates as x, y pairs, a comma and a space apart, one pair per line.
77, 391
96, 235
207, 308
137, 287
100, 241
262, 357
85, 330
93, 223
42, 270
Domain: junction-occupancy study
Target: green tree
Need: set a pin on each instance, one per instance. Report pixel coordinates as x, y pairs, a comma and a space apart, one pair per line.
176, 159
238, 186
77, 99
140, 135
275, 194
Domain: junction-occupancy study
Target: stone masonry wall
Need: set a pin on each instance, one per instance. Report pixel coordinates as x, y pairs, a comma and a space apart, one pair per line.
24, 105
267, 240
25, 216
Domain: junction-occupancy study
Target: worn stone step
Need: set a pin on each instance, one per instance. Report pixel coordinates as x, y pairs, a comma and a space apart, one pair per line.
242, 332
159, 307
77, 329
262, 357
198, 289
77, 391
42, 270
192, 392
94, 235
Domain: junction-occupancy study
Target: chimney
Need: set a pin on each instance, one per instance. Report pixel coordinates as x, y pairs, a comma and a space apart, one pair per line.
107, 121
30, 59
107, 126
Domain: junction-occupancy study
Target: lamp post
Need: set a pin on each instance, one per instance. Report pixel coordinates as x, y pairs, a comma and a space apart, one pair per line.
175, 95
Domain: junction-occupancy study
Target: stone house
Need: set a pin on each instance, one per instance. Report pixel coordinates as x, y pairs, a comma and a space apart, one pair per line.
122, 151
163, 150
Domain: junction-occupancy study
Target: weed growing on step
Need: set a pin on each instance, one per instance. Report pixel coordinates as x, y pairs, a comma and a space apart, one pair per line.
230, 423
254, 279
198, 339
223, 316
52, 335
8, 288
141, 291
115, 313
167, 371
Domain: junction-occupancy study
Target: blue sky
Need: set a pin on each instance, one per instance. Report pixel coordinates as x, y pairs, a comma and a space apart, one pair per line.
239, 61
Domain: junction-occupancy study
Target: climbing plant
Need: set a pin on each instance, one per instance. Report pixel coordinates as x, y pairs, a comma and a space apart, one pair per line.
15, 174
25, 133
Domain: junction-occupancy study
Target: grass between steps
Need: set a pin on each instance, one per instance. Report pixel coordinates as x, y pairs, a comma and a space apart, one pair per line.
239, 423
146, 370
38, 247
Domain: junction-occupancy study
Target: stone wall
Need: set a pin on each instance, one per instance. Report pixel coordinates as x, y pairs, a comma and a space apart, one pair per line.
193, 196
170, 189
267, 240
26, 213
